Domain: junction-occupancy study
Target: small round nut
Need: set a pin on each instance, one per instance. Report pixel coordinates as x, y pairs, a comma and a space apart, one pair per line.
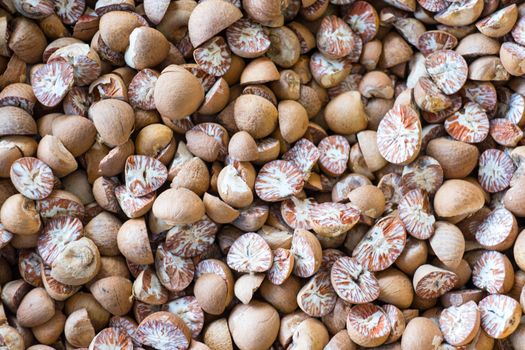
345, 114
178, 206
255, 115
243, 147
114, 120
147, 48
77, 264
36, 308
20, 216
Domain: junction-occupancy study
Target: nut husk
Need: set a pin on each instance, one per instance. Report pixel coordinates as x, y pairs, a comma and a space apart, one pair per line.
113, 119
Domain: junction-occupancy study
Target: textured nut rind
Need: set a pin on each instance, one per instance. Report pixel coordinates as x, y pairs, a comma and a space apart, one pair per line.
255, 115
458, 197
254, 326
19, 215
77, 264
114, 294
209, 18
147, 48
133, 242
178, 93
35, 309
178, 206
345, 114
114, 120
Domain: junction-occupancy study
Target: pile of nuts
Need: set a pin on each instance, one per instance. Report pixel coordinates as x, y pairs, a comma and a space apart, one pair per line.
262, 174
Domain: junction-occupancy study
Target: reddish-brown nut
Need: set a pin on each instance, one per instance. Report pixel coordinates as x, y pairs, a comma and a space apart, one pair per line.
178, 206
178, 93
35, 309
114, 294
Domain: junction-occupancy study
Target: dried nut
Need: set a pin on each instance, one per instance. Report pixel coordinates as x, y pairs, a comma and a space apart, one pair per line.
209, 19
395, 288
50, 332
133, 242
267, 12
395, 51
178, 206
284, 296
217, 335
477, 44
513, 199
243, 147
491, 68
178, 93
421, 333
35, 309
211, 291
511, 56
20, 216
76, 133
114, 120
254, 326
194, 176
27, 40
293, 120
98, 316
77, 264
345, 114
16, 121
369, 199
114, 294
376, 84
255, 115
458, 197
116, 27
259, 71
147, 48
461, 13
78, 329
310, 334
448, 244
457, 159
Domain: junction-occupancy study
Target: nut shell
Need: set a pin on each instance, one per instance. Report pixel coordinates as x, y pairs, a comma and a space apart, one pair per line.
36, 308
114, 294
178, 93
178, 206
345, 114
133, 242
77, 264
20, 216
210, 18
254, 326
114, 120
458, 197
255, 115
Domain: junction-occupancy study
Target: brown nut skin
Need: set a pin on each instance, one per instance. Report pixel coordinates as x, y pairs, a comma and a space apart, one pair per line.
457, 158
133, 242
288, 87
53, 152
219, 211
114, 120
76, 133
77, 264
97, 314
103, 230
458, 197
421, 333
477, 44
20, 216
27, 40
369, 199
511, 56
376, 84
147, 48
395, 51
255, 115
243, 147
194, 176
152, 139
115, 28
217, 335
16, 121
341, 341
345, 114
48, 333
78, 329
266, 12
259, 71
36, 308
395, 288
293, 120
514, 199
208, 19
211, 292
254, 326
282, 297
178, 93
114, 294
9, 153
310, 334
178, 206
